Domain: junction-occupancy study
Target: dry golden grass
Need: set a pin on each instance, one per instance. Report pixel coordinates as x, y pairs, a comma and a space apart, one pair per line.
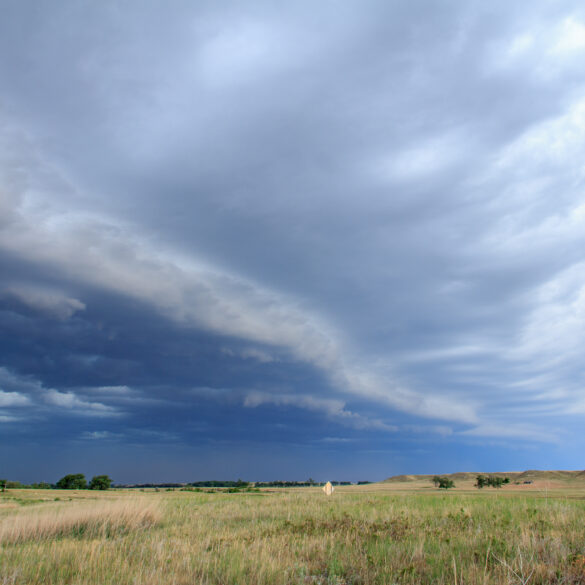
94, 519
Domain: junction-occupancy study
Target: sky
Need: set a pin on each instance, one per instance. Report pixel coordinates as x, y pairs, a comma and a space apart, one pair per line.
342, 240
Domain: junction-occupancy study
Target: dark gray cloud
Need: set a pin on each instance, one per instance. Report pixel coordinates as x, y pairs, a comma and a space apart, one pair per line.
366, 216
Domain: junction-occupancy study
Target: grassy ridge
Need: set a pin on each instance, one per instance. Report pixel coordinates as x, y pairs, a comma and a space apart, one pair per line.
357, 536
517, 476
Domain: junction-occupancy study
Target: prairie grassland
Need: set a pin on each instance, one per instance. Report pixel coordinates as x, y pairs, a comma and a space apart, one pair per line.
359, 535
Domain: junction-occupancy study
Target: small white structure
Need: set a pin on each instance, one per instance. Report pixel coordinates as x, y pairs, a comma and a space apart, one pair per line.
328, 488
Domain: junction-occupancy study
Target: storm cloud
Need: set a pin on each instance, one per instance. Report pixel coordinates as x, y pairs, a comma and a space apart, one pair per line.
336, 238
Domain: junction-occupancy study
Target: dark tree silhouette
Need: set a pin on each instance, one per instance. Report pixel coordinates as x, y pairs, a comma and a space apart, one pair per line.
100, 482
73, 481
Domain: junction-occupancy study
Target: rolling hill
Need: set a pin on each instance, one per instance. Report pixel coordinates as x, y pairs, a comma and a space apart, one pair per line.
530, 475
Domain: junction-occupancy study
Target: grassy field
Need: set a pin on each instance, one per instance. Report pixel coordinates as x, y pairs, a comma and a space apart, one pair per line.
402, 532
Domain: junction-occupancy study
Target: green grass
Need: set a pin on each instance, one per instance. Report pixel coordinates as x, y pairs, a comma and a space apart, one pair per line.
301, 536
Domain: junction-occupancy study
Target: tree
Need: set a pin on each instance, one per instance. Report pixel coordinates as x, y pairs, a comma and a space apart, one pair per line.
481, 481
74, 481
100, 482
442, 482
491, 481
495, 481
445, 483
3, 485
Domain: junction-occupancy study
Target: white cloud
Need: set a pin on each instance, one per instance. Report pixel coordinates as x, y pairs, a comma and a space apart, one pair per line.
24, 385
554, 331
544, 50
70, 401
257, 354
520, 45
570, 37
334, 409
427, 157
374, 386
7, 418
100, 435
13, 399
575, 405
556, 142
241, 53
53, 303
30, 392
113, 390
446, 353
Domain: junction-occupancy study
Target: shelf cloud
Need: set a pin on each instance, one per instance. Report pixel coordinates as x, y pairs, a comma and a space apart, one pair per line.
313, 231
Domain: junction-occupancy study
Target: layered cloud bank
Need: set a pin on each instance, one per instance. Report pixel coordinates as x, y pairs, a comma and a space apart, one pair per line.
359, 230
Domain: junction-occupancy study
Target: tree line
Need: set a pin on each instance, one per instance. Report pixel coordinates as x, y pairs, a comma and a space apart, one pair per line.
77, 481
72, 481
244, 484
481, 481
287, 484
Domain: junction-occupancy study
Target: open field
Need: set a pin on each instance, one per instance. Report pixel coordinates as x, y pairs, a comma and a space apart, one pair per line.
394, 532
